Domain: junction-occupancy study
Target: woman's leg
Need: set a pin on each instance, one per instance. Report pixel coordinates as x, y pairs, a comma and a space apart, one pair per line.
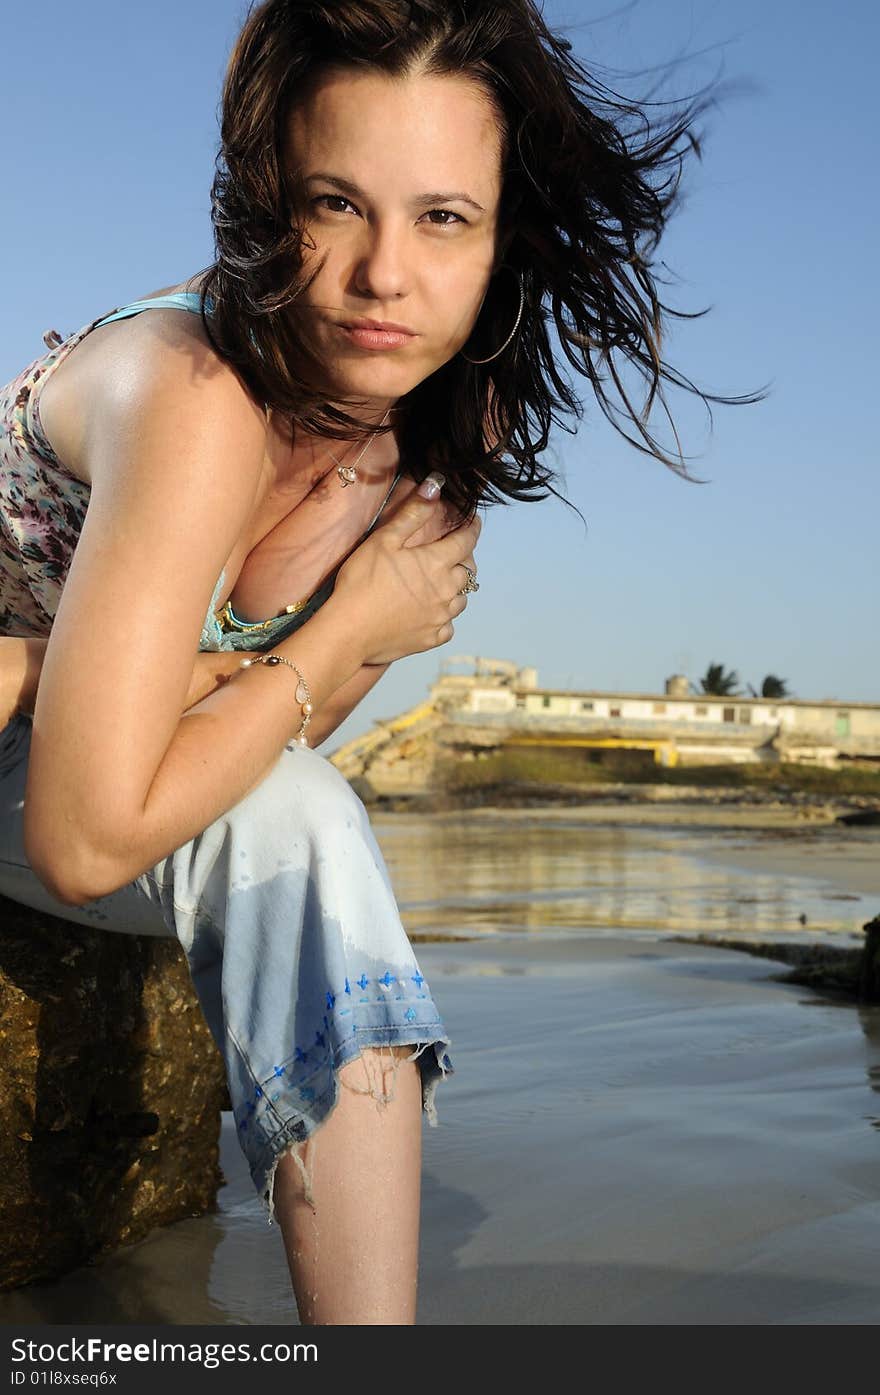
353, 1257
327, 1027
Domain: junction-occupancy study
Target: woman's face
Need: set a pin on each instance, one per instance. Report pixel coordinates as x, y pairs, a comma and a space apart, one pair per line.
403, 183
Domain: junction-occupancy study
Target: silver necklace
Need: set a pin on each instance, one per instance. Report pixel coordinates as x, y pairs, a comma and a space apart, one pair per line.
348, 473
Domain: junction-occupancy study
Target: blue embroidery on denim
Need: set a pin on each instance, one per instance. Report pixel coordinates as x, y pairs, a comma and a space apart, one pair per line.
300, 1056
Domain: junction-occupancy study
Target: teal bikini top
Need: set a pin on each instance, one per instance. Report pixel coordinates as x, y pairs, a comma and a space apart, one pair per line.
180, 300
226, 630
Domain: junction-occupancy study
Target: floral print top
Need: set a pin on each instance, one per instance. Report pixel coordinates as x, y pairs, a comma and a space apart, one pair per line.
43, 508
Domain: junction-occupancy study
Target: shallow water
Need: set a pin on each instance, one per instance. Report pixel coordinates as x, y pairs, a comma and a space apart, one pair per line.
498, 873
638, 1130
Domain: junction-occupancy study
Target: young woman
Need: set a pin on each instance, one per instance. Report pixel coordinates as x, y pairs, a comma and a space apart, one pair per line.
252, 465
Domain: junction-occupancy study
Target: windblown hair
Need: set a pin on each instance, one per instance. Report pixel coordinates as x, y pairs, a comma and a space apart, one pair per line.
589, 181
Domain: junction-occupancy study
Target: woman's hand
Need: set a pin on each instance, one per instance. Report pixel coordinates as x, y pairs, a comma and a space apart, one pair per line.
404, 597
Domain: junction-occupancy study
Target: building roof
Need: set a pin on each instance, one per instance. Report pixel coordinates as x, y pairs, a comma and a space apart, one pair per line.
696, 697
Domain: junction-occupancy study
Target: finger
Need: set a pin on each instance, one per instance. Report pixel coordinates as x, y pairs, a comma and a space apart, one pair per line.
458, 545
414, 512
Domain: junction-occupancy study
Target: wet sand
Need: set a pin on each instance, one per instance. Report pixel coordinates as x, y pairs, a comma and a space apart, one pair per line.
637, 1132
846, 859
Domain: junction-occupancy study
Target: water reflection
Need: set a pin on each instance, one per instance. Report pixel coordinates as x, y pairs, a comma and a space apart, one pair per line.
493, 874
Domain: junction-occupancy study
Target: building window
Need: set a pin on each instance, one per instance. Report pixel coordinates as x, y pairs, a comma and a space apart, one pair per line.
545, 702
659, 707
745, 715
614, 712
701, 710
773, 712
586, 706
520, 702
729, 714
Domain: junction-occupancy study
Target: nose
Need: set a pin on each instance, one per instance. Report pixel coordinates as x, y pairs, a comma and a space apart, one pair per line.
382, 270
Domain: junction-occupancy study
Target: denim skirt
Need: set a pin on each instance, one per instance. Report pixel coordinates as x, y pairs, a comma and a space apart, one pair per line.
295, 946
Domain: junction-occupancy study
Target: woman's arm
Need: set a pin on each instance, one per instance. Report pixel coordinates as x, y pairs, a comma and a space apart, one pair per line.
117, 777
343, 702
21, 658
21, 663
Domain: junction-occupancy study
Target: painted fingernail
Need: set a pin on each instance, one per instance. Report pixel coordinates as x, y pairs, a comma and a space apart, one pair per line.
431, 485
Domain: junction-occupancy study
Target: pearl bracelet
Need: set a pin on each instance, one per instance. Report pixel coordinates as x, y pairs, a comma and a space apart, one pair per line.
302, 694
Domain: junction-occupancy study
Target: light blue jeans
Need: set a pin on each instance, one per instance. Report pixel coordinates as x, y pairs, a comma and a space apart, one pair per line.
291, 930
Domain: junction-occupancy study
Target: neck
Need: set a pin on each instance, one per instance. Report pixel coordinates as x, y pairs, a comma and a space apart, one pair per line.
312, 457
373, 412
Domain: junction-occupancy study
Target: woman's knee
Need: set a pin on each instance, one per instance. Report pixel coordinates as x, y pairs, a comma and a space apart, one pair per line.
303, 791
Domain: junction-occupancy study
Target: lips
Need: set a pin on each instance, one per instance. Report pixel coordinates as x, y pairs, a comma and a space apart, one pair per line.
387, 326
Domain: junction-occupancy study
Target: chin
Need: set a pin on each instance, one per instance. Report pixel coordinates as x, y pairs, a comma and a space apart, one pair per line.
373, 385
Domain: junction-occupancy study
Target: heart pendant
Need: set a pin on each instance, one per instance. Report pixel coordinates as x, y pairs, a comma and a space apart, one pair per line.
347, 474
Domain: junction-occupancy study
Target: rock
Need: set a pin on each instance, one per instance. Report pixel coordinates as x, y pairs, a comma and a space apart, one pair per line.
869, 980
854, 973
861, 818
111, 1088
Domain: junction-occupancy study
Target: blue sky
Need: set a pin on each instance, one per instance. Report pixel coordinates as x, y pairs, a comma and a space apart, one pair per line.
110, 114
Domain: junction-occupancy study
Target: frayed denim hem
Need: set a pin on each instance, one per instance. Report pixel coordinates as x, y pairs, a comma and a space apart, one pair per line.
434, 1066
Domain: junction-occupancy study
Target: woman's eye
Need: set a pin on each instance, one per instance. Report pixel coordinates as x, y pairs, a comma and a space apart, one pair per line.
446, 213
337, 197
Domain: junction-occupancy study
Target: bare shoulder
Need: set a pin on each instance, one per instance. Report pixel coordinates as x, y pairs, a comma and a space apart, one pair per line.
168, 352
130, 360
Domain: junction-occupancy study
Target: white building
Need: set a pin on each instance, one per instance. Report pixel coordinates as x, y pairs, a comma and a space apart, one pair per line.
680, 726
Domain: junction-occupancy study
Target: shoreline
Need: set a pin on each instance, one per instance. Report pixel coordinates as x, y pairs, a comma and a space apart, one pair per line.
638, 804
641, 805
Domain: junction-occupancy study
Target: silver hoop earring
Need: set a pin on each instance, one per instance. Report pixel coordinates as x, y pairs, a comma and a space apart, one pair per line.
522, 301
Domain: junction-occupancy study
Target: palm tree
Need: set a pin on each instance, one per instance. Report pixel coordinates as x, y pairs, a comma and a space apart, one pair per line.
772, 687
718, 682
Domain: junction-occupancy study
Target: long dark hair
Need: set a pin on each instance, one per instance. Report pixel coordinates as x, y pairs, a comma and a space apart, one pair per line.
589, 181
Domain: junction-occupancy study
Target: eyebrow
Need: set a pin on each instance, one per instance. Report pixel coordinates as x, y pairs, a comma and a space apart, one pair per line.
421, 200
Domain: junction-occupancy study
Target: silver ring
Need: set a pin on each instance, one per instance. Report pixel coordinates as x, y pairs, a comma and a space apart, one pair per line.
472, 583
